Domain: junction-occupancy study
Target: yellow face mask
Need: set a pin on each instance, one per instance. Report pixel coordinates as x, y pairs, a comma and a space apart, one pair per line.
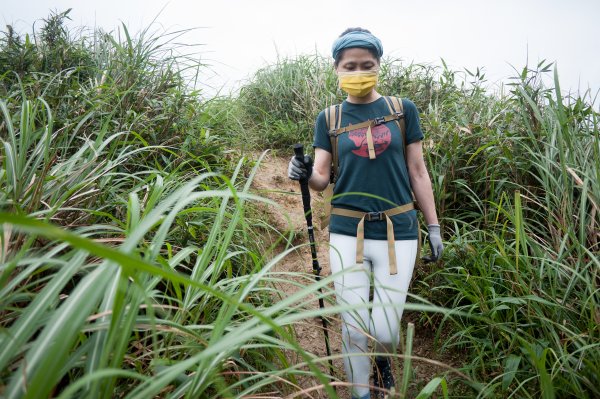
359, 83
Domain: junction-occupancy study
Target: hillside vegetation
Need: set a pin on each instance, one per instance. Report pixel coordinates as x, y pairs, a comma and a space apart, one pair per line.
134, 264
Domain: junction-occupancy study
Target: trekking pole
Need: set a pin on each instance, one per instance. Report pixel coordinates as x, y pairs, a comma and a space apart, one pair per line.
299, 152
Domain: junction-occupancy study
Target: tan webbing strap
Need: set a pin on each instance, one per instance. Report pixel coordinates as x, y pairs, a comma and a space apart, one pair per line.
395, 105
338, 124
370, 144
370, 122
334, 113
327, 206
360, 231
360, 242
360, 239
328, 116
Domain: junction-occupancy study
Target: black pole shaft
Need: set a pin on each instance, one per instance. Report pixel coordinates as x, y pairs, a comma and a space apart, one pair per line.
299, 153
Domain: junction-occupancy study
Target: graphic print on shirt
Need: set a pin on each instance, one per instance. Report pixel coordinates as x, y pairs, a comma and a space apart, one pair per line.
382, 138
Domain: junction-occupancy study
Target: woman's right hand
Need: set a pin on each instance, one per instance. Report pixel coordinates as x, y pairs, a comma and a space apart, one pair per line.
300, 170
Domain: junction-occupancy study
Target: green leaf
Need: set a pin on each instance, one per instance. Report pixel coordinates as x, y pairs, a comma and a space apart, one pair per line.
410, 331
545, 380
432, 386
510, 368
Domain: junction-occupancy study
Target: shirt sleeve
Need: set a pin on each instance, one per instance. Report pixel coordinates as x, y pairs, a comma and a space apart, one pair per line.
413, 124
321, 139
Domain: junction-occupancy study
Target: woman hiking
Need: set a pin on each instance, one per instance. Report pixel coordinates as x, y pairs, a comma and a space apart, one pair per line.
373, 237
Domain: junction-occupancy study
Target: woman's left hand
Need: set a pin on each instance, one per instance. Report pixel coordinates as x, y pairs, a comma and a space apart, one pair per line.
435, 242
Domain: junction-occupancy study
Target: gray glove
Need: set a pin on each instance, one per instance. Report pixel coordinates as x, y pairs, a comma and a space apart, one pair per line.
298, 170
435, 242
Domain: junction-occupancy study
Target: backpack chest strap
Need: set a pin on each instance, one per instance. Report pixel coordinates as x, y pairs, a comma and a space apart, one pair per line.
367, 124
376, 216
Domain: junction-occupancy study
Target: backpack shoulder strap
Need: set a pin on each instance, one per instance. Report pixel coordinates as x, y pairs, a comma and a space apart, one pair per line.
333, 118
395, 105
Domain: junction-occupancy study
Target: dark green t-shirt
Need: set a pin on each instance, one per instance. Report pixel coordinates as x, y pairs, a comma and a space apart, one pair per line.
386, 176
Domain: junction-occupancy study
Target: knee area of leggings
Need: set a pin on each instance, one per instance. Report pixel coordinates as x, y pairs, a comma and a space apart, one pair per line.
354, 335
387, 339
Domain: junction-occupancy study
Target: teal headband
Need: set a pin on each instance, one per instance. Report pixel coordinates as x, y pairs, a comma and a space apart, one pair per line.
357, 39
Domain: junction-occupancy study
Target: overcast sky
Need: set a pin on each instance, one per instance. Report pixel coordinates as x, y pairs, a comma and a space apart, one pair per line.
240, 36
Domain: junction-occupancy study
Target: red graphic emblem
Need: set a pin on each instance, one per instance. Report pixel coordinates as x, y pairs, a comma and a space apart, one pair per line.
381, 140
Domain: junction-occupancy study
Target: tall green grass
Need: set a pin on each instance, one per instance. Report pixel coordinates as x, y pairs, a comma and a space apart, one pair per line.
529, 259
132, 265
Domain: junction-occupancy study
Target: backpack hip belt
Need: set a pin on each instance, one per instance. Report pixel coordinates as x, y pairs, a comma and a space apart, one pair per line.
377, 216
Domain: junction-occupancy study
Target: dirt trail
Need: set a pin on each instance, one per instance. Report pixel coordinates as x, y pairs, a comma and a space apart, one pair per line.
271, 181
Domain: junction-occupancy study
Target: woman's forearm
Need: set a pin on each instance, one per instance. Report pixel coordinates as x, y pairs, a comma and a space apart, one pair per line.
321, 170
423, 190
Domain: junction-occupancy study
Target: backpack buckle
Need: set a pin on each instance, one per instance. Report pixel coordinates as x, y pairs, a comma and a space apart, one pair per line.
374, 216
378, 121
399, 114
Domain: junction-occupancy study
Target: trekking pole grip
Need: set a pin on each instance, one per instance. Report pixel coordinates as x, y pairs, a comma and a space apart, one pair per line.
299, 152
299, 155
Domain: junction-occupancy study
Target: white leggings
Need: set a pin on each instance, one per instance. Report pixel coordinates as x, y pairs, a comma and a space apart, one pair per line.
352, 288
